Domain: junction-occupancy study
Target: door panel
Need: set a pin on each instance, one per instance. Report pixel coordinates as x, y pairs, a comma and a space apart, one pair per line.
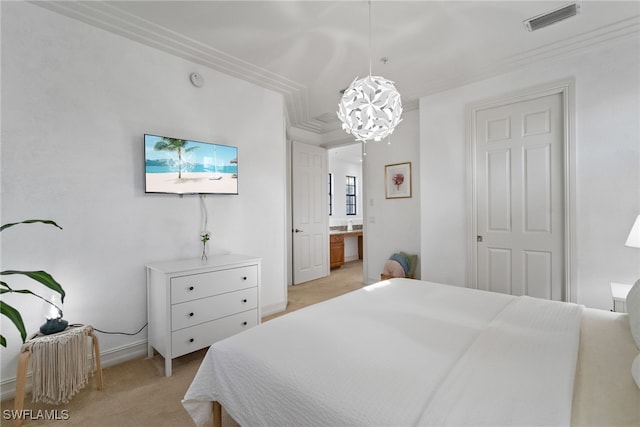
519, 182
537, 188
538, 274
310, 217
499, 261
498, 190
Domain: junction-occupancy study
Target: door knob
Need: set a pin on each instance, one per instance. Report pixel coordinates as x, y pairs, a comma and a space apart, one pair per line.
479, 239
297, 230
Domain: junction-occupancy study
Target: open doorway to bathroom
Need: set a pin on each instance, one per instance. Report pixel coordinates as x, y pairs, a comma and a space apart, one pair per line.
345, 187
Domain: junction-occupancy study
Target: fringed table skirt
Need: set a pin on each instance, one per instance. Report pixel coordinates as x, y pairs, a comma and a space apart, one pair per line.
60, 366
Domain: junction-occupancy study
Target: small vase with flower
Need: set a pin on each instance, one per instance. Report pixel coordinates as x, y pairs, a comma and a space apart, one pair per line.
204, 238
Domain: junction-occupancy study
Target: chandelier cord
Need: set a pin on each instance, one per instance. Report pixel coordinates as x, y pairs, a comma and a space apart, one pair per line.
371, 107
204, 215
369, 37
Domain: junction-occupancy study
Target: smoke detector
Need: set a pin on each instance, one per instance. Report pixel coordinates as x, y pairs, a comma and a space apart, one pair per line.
551, 17
196, 79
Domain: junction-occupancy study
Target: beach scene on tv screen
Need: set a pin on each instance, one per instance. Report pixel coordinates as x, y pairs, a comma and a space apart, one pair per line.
189, 167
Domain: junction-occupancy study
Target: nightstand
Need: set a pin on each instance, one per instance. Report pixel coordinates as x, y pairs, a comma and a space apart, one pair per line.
619, 293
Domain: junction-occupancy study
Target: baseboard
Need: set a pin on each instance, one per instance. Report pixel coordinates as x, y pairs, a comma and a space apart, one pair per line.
268, 310
122, 354
108, 358
372, 280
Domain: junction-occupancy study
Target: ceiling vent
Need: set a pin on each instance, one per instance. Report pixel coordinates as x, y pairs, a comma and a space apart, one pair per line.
552, 17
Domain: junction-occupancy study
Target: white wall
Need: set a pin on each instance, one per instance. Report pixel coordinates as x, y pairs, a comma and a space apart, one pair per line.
76, 101
607, 145
392, 225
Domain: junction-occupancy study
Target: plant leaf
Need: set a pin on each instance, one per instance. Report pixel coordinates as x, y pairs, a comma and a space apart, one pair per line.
23, 291
42, 277
31, 221
15, 317
3, 342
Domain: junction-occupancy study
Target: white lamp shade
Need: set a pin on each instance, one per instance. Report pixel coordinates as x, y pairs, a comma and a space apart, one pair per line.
52, 307
633, 240
370, 108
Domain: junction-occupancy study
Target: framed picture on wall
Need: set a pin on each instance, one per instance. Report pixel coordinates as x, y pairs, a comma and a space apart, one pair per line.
397, 180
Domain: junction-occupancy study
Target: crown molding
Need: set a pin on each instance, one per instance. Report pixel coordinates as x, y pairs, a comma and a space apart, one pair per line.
110, 18
583, 42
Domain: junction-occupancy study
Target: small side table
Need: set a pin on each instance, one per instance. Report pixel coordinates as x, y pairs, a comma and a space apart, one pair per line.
619, 293
65, 342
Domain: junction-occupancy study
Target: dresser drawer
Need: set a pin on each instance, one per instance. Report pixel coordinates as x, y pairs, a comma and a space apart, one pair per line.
200, 336
203, 310
194, 286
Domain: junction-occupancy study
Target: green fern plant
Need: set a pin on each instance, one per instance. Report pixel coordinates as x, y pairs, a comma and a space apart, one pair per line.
41, 277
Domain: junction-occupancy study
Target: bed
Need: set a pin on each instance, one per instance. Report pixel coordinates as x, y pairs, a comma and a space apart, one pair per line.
408, 352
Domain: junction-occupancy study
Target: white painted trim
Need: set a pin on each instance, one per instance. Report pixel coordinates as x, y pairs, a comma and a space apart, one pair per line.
111, 357
270, 309
351, 258
566, 88
109, 17
124, 353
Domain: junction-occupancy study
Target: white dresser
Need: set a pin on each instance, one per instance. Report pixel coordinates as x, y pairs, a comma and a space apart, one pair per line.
193, 303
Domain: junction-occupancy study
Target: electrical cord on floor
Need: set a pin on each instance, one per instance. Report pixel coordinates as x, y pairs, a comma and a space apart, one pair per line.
115, 333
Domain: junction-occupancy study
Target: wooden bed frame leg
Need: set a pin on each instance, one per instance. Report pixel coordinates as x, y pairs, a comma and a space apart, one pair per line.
217, 414
96, 356
21, 381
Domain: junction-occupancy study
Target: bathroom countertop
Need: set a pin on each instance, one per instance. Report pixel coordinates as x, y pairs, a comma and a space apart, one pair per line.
346, 233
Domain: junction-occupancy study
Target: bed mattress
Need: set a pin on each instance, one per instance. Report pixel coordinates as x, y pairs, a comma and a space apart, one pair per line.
399, 352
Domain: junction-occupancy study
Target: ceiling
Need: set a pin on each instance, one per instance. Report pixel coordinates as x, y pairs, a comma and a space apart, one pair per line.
310, 50
351, 153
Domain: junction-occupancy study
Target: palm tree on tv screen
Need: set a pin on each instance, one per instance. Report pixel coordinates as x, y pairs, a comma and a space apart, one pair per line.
173, 144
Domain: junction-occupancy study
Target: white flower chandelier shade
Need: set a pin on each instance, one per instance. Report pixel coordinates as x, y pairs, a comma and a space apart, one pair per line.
370, 108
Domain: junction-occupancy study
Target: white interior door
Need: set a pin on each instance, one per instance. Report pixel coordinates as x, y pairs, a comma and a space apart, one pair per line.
519, 178
310, 216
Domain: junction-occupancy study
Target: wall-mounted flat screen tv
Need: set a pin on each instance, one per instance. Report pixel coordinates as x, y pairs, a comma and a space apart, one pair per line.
182, 166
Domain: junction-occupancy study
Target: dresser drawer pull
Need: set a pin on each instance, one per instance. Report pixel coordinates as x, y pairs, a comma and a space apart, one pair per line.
191, 340
190, 314
191, 288
244, 301
244, 323
244, 277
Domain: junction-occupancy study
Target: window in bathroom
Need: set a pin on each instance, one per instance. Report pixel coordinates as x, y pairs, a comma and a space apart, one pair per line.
351, 195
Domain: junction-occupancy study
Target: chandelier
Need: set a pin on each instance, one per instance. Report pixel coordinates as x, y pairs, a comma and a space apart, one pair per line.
370, 107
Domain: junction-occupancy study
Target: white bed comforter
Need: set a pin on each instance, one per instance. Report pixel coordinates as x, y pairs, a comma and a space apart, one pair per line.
398, 353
